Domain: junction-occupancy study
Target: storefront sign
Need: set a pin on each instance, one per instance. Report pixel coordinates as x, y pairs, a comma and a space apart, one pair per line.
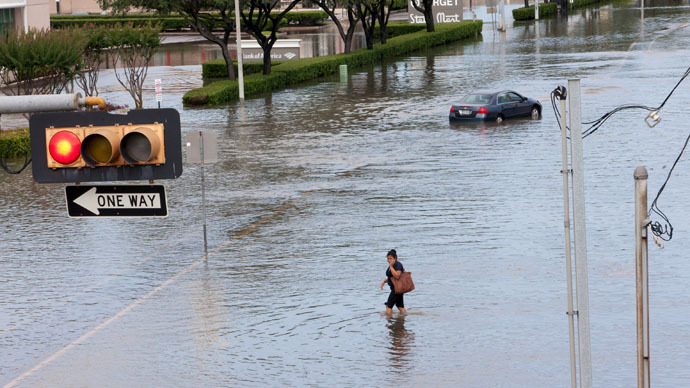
444, 11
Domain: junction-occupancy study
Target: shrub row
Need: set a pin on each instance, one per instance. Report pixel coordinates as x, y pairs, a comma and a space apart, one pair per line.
216, 68
171, 22
14, 143
292, 72
399, 28
399, 4
547, 9
527, 13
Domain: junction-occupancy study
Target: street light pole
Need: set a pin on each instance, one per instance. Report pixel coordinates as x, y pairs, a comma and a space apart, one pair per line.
240, 73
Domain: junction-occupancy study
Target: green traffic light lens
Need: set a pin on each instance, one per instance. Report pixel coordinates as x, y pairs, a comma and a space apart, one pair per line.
136, 147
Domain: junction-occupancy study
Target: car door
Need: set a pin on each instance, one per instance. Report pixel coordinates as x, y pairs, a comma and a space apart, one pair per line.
522, 106
505, 106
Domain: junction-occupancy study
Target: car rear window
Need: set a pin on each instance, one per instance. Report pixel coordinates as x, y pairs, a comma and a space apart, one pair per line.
476, 99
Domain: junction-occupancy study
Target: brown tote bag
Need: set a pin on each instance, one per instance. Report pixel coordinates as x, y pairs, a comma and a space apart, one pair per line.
403, 284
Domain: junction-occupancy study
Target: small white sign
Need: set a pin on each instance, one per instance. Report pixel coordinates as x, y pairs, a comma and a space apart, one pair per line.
159, 90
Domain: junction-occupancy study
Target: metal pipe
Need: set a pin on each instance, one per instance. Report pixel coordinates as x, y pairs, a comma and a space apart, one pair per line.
47, 103
642, 277
38, 103
93, 101
580, 234
568, 263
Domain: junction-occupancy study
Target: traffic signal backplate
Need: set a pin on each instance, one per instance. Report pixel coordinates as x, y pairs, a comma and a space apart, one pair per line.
97, 146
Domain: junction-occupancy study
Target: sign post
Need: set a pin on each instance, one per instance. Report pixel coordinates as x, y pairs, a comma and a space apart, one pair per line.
159, 92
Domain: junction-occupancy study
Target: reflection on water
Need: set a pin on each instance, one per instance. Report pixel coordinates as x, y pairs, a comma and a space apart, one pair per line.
401, 342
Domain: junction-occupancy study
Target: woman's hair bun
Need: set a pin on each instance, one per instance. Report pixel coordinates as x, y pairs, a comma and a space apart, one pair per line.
392, 253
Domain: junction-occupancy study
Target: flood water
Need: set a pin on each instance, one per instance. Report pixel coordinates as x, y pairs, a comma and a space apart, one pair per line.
315, 183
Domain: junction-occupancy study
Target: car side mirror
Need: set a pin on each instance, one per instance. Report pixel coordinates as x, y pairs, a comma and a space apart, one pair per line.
523, 99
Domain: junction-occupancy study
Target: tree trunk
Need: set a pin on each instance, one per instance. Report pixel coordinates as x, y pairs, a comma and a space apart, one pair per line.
429, 18
228, 61
267, 59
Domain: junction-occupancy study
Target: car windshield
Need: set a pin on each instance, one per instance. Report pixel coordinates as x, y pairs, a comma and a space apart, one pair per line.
476, 99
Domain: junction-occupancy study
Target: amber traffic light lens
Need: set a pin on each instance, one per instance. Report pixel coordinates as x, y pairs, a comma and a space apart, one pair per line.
136, 148
101, 147
64, 147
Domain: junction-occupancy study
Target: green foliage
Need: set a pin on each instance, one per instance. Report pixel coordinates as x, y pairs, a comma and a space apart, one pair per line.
52, 56
14, 143
218, 69
292, 72
399, 28
171, 22
399, 4
306, 18
527, 13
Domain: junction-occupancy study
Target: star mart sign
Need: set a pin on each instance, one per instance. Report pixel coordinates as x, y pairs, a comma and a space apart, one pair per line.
444, 11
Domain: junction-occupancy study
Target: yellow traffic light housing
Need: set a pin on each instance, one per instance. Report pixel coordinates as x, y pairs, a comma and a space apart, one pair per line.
143, 144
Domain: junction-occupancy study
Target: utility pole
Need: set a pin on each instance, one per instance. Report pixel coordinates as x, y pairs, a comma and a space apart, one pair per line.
240, 70
580, 235
642, 277
565, 171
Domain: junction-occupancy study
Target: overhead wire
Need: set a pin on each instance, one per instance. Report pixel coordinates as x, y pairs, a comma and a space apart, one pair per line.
662, 229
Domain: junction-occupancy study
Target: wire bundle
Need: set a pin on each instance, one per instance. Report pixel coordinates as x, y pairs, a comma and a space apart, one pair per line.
663, 229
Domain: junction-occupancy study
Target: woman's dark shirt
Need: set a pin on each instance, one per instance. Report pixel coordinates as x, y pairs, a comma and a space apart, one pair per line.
398, 267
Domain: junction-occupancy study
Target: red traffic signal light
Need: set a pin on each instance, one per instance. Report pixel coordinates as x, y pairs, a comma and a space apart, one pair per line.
96, 146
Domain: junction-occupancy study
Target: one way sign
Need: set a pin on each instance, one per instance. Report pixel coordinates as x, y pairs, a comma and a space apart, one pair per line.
116, 201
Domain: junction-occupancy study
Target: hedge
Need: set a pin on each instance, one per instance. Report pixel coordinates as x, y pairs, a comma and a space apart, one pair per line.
399, 4
14, 143
527, 13
217, 68
399, 28
292, 72
172, 22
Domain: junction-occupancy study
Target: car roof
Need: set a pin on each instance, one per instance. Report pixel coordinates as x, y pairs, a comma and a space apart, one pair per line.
492, 92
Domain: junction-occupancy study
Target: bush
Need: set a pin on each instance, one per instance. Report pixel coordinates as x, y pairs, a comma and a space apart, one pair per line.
399, 4
527, 13
394, 29
169, 22
306, 18
217, 68
292, 72
14, 143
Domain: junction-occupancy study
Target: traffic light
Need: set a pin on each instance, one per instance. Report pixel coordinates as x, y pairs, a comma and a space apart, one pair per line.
97, 146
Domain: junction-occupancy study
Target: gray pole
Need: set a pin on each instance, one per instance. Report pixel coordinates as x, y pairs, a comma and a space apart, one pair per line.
203, 191
568, 263
580, 234
641, 277
240, 78
536, 10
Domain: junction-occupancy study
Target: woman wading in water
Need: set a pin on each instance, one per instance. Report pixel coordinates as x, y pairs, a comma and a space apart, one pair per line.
395, 269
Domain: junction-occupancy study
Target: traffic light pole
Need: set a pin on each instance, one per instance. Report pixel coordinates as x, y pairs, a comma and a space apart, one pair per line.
47, 103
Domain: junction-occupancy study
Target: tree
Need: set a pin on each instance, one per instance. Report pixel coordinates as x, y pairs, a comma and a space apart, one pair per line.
256, 20
40, 62
96, 43
134, 47
329, 7
196, 13
367, 11
384, 14
424, 6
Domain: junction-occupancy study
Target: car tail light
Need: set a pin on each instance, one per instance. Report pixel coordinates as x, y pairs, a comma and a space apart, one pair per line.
451, 109
482, 110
